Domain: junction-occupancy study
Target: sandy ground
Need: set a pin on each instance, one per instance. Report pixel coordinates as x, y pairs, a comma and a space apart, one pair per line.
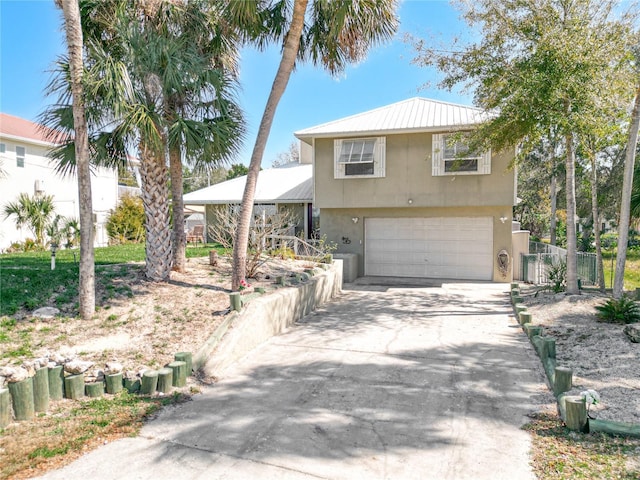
600, 354
144, 323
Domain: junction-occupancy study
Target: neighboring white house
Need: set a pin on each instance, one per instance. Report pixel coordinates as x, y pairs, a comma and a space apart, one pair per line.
27, 169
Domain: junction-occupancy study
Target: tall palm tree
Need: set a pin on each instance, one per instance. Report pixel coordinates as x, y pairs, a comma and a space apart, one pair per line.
337, 33
205, 125
158, 83
34, 212
86, 281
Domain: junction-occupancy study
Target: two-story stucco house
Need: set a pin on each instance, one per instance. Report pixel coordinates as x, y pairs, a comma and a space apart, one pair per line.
28, 169
396, 187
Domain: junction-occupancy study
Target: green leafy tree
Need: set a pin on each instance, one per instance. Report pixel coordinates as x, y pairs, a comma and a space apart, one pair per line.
236, 170
125, 223
197, 178
539, 66
334, 34
33, 212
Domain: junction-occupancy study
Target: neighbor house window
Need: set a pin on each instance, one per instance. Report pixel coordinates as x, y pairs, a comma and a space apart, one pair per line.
359, 157
452, 156
3, 148
20, 157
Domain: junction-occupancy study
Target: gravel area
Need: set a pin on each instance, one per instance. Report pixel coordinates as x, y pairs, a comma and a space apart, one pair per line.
600, 354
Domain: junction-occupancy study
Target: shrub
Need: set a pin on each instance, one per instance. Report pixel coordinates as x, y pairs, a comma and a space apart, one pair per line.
558, 276
29, 245
623, 310
126, 223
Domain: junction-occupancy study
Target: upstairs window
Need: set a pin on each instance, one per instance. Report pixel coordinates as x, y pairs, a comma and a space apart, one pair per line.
359, 157
451, 156
20, 157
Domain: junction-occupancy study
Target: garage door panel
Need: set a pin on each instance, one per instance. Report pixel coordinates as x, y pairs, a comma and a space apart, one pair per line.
430, 247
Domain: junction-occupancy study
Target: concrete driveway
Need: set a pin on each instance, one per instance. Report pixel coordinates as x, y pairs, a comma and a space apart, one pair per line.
384, 383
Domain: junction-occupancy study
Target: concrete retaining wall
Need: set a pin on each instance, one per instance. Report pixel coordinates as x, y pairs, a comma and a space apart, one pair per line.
270, 315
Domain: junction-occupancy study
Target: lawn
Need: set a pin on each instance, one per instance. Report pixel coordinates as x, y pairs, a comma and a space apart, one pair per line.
27, 281
631, 271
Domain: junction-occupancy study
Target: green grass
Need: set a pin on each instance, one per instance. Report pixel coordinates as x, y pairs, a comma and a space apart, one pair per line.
631, 271
28, 282
35, 446
559, 454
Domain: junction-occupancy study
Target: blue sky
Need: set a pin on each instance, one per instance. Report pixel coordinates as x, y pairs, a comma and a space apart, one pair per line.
31, 38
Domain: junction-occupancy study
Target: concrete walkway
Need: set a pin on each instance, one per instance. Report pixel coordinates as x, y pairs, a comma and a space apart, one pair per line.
384, 383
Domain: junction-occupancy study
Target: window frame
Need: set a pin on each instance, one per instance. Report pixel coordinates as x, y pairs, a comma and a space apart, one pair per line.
439, 161
20, 158
378, 154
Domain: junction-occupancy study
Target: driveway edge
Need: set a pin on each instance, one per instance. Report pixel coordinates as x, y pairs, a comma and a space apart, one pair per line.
265, 317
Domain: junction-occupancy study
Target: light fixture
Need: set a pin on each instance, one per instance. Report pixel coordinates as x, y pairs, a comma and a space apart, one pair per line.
503, 219
54, 248
410, 201
354, 219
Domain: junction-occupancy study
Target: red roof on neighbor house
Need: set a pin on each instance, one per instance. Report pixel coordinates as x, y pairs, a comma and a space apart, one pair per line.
19, 127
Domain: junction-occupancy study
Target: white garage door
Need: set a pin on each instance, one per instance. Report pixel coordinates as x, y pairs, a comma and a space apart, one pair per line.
459, 248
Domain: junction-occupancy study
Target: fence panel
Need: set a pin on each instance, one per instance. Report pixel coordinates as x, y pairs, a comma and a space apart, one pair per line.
536, 266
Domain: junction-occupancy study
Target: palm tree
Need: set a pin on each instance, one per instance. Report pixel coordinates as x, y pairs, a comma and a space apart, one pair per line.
205, 125
158, 85
32, 212
338, 32
86, 282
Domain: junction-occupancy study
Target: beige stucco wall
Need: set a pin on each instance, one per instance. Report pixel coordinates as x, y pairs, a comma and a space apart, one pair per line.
408, 177
338, 226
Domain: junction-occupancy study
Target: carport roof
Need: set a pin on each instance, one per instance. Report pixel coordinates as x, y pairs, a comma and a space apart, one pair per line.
413, 115
291, 183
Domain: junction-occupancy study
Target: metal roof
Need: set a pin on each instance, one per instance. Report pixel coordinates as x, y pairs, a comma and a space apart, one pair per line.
291, 183
415, 114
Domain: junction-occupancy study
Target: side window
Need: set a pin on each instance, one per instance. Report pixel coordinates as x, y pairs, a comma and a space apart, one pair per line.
359, 157
20, 152
451, 156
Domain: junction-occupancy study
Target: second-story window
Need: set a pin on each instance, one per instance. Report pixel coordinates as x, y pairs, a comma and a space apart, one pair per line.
20, 153
452, 156
359, 157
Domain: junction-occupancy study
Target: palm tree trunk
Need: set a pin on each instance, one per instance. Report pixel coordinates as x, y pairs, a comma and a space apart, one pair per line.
179, 238
155, 197
287, 62
86, 287
572, 267
623, 226
596, 220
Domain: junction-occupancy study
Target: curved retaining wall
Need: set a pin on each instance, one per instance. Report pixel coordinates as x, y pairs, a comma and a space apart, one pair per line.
265, 317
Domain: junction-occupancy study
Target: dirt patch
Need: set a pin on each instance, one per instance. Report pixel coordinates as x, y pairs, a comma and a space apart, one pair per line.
600, 354
143, 324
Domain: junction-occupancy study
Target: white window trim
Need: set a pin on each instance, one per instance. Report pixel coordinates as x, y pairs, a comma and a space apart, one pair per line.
379, 154
21, 157
438, 160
